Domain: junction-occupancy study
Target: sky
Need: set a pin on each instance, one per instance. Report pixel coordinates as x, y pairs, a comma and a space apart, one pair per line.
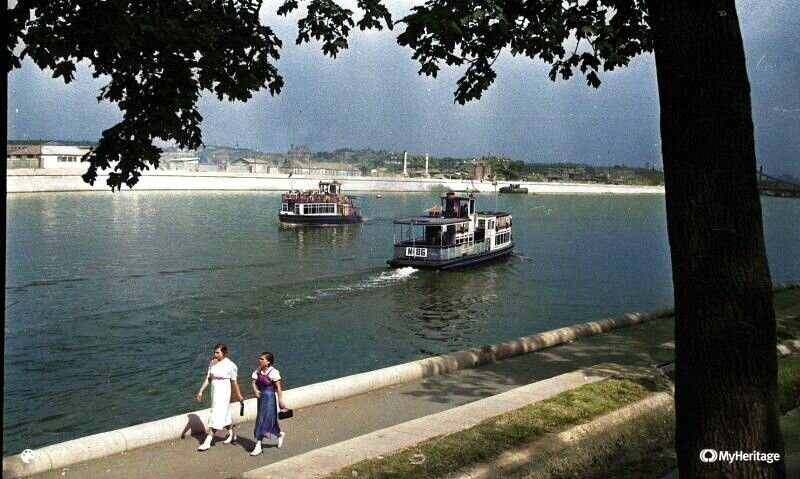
371, 96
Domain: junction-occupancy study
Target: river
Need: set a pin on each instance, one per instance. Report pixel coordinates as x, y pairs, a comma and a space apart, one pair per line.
113, 301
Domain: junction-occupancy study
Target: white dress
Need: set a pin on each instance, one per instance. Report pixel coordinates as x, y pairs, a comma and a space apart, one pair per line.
221, 374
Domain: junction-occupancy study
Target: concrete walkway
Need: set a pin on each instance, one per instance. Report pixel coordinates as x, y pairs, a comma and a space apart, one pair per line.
323, 425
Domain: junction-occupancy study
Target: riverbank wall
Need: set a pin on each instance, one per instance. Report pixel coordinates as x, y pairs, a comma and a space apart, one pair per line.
41, 180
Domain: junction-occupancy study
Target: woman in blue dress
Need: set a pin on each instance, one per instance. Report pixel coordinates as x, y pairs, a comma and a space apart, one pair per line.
266, 381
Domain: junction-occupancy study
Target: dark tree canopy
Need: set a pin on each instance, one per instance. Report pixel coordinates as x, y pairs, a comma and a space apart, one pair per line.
603, 34
161, 56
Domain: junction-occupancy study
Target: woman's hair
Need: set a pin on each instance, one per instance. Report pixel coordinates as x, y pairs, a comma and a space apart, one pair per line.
221, 347
269, 356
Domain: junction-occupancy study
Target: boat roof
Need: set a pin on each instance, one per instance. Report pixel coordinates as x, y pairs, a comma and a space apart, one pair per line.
430, 220
454, 196
492, 213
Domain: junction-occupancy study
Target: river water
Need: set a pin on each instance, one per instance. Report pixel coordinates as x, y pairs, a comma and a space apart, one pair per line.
113, 301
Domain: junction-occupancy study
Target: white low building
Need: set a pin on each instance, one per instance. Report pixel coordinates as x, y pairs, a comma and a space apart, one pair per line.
62, 156
180, 164
46, 156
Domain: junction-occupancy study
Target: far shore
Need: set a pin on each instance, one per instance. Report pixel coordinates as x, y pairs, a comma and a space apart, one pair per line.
41, 180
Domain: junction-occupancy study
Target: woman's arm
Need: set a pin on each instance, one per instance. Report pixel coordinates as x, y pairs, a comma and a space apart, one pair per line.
237, 393
199, 397
279, 390
256, 392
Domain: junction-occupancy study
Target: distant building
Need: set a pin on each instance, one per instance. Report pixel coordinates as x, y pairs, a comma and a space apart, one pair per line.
180, 164
46, 156
481, 171
300, 154
23, 156
179, 161
252, 165
324, 172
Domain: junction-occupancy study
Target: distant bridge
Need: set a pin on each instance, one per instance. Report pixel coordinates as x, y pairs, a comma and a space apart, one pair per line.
771, 186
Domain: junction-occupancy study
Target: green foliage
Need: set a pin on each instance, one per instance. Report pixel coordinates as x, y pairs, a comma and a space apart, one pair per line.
605, 34
789, 382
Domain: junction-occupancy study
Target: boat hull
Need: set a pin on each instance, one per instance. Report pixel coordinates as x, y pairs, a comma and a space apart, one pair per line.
452, 263
512, 191
319, 220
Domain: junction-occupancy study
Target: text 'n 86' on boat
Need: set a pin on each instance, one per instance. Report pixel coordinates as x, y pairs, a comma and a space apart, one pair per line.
324, 206
451, 235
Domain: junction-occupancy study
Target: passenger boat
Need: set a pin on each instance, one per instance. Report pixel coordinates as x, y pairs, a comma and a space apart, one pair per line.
325, 206
451, 235
513, 188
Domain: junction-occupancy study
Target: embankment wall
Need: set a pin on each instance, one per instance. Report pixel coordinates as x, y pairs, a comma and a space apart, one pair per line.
41, 180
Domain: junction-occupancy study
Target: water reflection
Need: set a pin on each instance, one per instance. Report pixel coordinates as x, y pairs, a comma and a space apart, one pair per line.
338, 236
450, 307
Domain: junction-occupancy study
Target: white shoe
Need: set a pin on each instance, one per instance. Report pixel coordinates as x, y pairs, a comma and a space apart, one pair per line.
257, 449
206, 444
231, 437
280, 439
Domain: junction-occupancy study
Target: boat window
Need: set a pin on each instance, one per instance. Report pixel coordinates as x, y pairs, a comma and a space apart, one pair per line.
449, 235
502, 238
433, 235
469, 238
481, 223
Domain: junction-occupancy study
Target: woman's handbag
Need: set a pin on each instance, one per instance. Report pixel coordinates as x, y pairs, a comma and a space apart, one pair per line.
286, 414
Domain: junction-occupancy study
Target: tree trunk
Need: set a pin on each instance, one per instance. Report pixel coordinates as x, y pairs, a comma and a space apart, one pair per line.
726, 363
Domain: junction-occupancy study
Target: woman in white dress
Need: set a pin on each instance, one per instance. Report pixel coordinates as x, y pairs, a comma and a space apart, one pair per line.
221, 375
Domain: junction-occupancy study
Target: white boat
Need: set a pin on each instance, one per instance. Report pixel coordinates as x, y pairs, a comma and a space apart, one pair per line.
452, 235
325, 206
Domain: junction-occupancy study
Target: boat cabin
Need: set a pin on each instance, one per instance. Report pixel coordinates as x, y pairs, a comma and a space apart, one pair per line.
451, 234
325, 205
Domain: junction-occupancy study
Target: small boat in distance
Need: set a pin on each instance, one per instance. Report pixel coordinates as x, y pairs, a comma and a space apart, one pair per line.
325, 206
452, 235
513, 188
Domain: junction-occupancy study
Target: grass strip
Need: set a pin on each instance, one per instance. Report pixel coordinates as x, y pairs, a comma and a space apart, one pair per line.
644, 447
788, 324
640, 448
446, 454
789, 382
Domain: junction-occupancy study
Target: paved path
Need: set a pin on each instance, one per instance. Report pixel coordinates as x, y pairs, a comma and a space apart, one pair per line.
327, 424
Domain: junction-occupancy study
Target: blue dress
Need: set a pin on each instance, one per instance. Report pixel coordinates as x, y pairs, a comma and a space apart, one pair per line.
267, 417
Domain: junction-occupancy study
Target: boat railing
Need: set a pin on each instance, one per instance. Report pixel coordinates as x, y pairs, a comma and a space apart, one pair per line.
426, 252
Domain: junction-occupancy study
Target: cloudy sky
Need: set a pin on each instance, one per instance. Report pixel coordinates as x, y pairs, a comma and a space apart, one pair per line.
371, 96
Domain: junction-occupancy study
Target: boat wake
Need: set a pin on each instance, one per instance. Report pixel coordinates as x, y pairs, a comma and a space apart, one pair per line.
521, 256
382, 280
